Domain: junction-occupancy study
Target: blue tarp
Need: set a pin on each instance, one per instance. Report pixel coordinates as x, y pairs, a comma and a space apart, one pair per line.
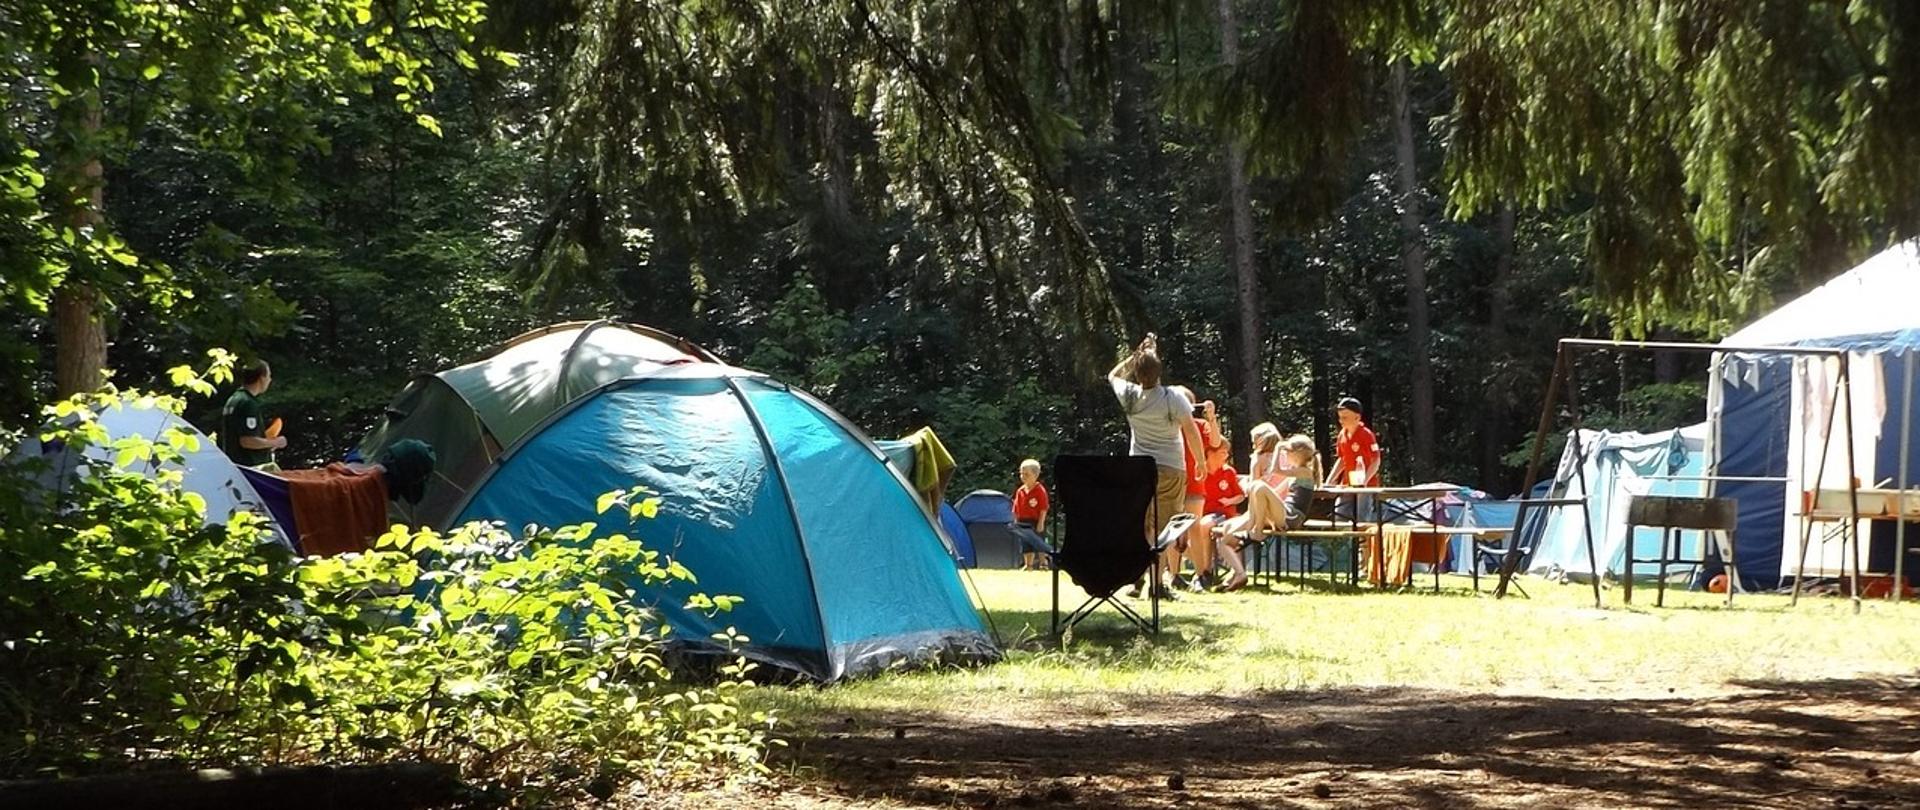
1476, 513
767, 495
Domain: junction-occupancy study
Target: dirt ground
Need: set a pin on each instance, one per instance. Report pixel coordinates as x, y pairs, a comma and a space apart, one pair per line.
1835, 743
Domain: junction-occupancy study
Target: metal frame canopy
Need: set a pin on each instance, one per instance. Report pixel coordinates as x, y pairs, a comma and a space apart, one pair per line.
1564, 375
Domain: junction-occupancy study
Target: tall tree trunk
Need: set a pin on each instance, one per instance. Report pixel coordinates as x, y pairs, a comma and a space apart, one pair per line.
1131, 97
1239, 248
1493, 413
1666, 364
79, 334
1413, 255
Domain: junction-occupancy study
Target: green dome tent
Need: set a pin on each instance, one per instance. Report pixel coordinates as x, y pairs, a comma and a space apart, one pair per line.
470, 413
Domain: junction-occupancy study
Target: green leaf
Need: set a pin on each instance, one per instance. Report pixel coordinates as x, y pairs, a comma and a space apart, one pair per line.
648, 508
432, 124
150, 72
606, 502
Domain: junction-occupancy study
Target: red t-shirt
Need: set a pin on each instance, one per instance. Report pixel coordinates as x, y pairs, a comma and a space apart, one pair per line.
1029, 502
1196, 481
1359, 447
1223, 484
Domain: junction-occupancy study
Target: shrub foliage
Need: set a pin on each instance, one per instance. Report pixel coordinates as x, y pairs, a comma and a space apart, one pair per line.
133, 633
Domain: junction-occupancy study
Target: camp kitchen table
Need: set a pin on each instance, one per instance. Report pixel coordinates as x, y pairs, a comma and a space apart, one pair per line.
1834, 504
1384, 512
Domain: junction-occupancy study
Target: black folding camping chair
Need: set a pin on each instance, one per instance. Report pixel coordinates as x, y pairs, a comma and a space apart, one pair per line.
1104, 502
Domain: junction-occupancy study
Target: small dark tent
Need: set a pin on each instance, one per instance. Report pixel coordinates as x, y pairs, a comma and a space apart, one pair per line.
989, 518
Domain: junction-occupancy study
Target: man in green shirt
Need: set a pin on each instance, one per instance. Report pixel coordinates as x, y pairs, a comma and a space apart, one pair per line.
243, 425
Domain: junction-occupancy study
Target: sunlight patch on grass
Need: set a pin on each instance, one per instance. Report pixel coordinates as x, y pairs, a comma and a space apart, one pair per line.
1258, 640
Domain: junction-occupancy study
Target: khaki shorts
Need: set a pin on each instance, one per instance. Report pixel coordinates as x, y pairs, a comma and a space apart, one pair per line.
1169, 499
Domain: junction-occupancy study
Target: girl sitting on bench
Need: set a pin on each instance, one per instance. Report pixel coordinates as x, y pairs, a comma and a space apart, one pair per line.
1271, 507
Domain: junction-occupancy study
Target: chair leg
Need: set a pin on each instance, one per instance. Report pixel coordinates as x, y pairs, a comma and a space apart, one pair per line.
1153, 593
1056, 598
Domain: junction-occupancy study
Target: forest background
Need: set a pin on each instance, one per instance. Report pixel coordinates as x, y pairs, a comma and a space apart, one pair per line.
952, 214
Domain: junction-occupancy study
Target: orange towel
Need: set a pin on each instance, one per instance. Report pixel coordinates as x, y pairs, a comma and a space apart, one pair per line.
338, 509
1404, 546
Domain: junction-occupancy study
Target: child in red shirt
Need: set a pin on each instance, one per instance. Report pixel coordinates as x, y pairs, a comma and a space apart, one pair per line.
1030, 510
1359, 450
1196, 546
1224, 493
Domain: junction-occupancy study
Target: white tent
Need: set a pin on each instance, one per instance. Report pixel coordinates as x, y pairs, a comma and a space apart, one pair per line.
1768, 414
205, 470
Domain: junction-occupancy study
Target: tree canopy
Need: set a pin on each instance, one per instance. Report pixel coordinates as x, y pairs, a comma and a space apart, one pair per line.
948, 213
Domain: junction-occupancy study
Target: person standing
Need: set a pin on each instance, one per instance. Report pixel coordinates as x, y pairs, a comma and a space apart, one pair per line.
1198, 547
1359, 451
243, 424
1160, 425
1357, 461
1030, 515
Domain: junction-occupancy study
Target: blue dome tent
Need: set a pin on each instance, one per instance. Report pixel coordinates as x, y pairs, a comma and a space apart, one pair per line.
768, 495
988, 515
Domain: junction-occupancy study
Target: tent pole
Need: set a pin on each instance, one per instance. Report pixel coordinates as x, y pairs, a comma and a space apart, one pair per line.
1819, 478
1906, 435
1511, 560
1586, 488
1853, 480
793, 514
1716, 398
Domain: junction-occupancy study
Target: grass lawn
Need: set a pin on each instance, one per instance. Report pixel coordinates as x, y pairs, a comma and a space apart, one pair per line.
1553, 643
1334, 697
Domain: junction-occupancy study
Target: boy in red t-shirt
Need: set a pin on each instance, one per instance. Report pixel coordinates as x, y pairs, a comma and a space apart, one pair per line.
1358, 450
1357, 463
1030, 511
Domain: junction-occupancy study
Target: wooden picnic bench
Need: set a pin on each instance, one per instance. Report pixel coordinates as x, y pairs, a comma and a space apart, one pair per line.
1321, 530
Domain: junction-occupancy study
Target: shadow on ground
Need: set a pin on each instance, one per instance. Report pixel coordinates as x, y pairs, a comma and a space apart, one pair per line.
1836, 743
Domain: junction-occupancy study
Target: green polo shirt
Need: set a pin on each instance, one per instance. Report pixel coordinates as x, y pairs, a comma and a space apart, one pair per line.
243, 416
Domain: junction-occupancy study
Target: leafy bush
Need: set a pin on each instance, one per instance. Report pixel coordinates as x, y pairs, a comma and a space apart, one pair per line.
131, 633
